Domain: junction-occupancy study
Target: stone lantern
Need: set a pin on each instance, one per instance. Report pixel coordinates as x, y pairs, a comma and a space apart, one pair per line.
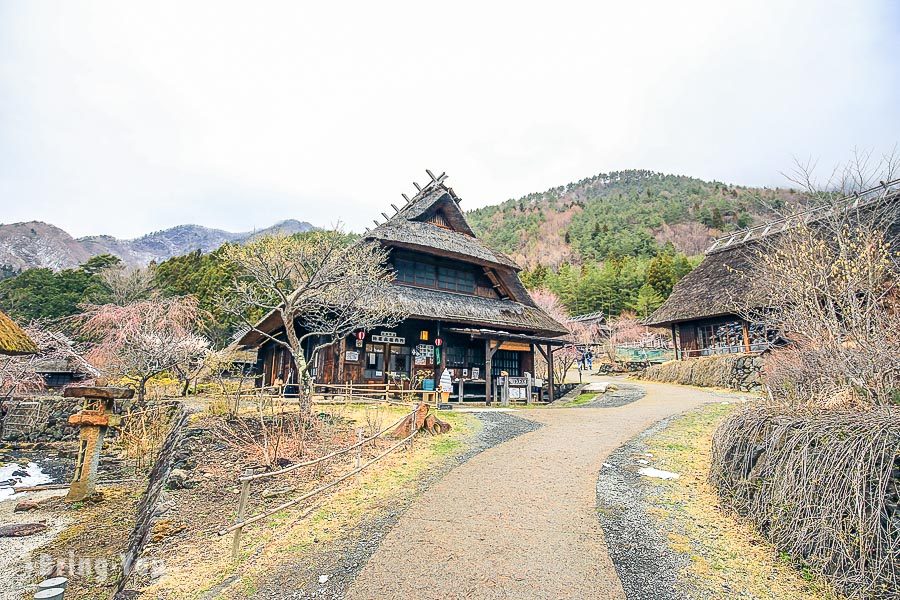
95, 417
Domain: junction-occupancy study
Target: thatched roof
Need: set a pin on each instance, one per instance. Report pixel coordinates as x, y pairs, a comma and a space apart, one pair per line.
14, 341
721, 283
409, 227
715, 288
474, 310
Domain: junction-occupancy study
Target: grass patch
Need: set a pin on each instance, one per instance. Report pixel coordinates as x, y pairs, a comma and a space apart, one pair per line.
580, 400
296, 534
728, 556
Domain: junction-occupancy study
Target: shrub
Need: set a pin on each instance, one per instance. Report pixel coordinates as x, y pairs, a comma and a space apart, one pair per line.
823, 487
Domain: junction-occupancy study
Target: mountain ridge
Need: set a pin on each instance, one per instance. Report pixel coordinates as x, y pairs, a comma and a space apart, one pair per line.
36, 244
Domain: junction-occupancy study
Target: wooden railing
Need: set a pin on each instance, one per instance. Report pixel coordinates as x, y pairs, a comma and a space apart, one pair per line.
372, 392
247, 479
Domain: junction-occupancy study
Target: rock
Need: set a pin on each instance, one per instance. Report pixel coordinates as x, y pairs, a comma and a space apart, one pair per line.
179, 479
21, 529
323, 578
25, 505
20, 473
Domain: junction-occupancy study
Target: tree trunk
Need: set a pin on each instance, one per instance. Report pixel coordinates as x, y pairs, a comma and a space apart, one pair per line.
299, 359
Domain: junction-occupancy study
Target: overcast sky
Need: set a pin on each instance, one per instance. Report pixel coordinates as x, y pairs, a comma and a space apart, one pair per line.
124, 119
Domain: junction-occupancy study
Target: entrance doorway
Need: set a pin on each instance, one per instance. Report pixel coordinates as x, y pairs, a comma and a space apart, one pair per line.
388, 363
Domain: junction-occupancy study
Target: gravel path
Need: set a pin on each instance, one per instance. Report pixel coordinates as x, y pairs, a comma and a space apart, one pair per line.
519, 520
645, 564
342, 562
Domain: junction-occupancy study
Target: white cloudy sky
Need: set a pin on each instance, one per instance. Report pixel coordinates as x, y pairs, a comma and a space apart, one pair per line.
125, 117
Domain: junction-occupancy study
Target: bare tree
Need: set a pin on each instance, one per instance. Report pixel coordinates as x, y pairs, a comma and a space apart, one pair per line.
321, 287
829, 284
144, 338
225, 368
622, 329
127, 284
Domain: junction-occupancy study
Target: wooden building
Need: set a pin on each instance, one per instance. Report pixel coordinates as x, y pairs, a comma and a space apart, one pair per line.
467, 310
702, 312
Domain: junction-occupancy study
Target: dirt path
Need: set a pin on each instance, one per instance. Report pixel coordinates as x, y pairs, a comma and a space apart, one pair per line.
519, 520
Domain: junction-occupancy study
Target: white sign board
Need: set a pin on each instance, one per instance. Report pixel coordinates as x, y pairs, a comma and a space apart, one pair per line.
389, 337
518, 393
351, 356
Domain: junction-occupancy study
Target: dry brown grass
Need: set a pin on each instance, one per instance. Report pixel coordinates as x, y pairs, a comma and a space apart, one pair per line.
197, 560
728, 556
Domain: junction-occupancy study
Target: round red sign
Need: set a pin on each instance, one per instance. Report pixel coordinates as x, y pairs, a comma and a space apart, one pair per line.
360, 335
438, 341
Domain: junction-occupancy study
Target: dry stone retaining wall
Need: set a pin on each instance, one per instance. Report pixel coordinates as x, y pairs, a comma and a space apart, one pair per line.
741, 372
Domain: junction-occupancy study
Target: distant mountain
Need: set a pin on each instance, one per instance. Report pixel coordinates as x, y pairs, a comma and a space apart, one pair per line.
37, 244
625, 213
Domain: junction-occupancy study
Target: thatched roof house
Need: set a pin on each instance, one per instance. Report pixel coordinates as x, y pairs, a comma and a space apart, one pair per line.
467, 309
13, 340
702, 311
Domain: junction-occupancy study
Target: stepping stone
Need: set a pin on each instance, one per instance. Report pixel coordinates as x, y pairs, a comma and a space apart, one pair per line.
21, 529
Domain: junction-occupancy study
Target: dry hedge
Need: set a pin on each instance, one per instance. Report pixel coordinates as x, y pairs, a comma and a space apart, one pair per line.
734, 371
824, 488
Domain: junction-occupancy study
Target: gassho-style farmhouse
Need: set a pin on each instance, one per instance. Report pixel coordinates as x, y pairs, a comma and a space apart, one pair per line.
704, 311
467, 312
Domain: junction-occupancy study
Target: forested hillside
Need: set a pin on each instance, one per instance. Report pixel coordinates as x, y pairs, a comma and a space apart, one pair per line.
628, 213
619, 241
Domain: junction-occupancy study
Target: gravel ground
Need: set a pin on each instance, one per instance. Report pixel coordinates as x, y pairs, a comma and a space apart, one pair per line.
17, 573
341, 563
646, 565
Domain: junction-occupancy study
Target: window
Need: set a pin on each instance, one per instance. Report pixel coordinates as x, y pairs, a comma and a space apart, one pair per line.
455, 280
416, 273
505, 360
425, 274
456, 356
721, 338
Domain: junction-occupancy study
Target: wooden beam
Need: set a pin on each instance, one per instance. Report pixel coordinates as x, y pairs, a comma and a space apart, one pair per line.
550, 378
675, 343
745, 326
490, 348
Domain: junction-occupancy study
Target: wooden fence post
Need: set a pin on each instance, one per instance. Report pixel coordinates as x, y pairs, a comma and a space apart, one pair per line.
242, 507
359, 439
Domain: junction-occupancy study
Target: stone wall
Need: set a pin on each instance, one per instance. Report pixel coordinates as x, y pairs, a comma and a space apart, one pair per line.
53, 425
146, 511
740, 372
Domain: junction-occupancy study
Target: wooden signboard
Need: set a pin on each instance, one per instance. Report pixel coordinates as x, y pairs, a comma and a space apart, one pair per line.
516, 346
389, 337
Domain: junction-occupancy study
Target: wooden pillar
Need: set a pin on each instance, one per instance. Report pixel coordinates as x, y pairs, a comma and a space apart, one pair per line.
745, 326
489, 349
675, 343
550, 394
342, 349
488, 359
